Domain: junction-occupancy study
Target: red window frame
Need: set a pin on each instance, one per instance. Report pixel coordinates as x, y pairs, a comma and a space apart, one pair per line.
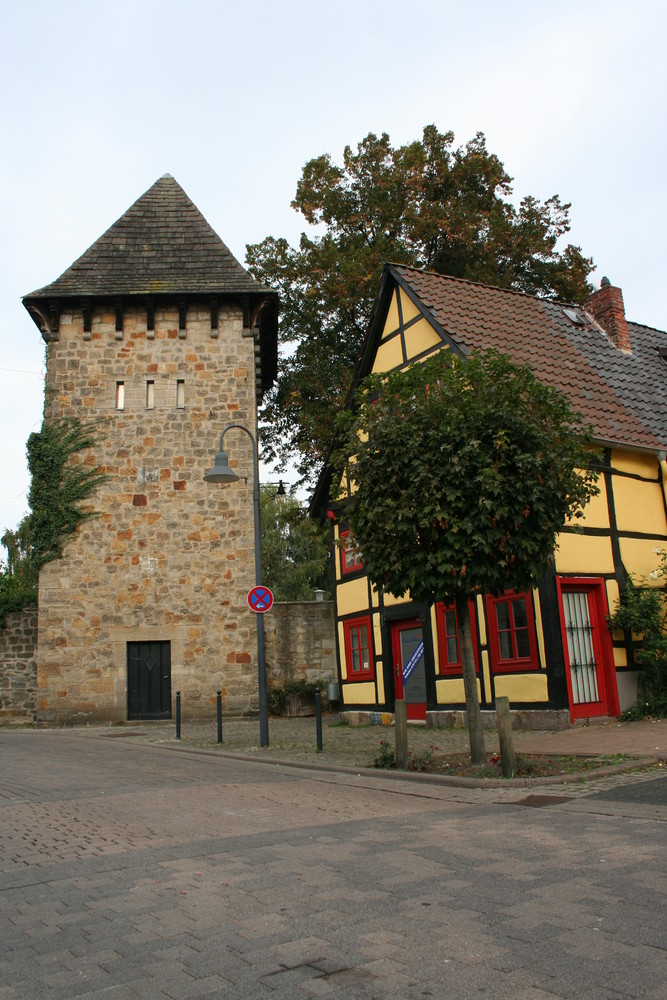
502, 663
354, 627
446, 667
348, 550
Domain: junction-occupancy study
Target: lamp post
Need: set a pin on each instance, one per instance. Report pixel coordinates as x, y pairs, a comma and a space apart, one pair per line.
221, 473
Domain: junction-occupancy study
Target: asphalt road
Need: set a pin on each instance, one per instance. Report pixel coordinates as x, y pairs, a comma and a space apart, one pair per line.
130, 870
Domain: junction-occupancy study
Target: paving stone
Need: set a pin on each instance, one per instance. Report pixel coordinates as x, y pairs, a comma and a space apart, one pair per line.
312, 884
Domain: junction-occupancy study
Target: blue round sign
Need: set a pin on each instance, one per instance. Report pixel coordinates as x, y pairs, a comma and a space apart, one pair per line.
260, 599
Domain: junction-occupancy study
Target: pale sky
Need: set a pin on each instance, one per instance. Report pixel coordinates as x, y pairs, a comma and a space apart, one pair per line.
100, 99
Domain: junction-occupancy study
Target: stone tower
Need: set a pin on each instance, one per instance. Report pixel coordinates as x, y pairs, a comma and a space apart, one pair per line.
158, 337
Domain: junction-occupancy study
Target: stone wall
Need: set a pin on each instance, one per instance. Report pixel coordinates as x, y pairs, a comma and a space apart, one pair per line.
300, 642
299, 638
167, 557
18, 674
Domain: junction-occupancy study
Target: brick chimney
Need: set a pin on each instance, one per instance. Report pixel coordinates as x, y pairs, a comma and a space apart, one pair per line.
606, 306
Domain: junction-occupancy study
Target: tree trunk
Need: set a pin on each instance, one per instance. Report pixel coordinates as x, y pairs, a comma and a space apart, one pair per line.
473, 713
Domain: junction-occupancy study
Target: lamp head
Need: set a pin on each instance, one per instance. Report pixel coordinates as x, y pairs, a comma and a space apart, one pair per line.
221, 473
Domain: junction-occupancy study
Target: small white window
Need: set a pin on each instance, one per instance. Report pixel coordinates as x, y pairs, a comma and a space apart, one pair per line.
120, 395
180, 393
150, 395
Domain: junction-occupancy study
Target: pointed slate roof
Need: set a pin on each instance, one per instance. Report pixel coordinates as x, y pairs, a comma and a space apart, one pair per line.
162, 244
163, 248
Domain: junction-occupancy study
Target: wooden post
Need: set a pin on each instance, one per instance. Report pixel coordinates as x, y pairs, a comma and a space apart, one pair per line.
504, 723
401, 716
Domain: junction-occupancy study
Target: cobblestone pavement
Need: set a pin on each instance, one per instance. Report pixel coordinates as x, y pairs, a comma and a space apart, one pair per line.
127, 871
346, 746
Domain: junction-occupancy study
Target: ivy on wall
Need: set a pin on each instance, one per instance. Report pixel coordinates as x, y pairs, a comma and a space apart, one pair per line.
60, 482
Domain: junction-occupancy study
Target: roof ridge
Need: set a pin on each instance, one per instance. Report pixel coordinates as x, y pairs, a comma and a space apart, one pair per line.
482, 284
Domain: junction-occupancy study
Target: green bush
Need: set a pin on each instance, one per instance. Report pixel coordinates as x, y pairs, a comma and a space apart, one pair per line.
277, 697
386, 758
641, 613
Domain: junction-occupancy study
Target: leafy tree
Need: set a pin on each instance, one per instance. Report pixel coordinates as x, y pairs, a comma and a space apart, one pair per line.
295, 550
18, 576
463, 472
426, 204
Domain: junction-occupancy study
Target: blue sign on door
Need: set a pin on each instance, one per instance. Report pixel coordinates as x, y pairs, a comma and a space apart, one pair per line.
413, 661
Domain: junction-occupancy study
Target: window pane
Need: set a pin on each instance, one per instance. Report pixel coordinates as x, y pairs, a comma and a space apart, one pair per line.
522, 643
120, 395
519, 613
150, 395
354, 644
180, 393
503, 612
506, 651
452, 650
359, 648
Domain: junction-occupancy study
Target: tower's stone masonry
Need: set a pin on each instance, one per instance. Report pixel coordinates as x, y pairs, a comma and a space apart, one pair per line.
157, 338
166, 556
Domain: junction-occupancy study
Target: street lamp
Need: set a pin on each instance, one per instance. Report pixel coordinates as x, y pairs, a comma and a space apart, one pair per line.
221, 473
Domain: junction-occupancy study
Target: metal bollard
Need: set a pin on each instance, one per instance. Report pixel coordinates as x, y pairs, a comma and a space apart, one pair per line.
219, 715
318, 718
178, 715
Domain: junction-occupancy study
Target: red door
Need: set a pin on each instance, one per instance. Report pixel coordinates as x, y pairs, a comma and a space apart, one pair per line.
407, 640
589, 657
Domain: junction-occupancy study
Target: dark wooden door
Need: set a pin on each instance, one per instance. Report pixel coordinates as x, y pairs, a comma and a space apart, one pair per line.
149, 680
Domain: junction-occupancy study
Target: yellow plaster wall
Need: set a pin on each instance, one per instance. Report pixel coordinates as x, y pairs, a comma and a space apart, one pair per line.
639, 506
589, 555
486, 670
639, 558
612, 597
539, 629
522, 687
359, 693
352, 596
391, 601
341, 647
389, 355
419, 338
481, 619
636, 463
377, 634
434, 633
408, 308
450, 690
596, 513
620, 657
391, 323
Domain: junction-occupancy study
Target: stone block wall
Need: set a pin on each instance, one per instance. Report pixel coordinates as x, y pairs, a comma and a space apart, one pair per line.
18, 673
300, 642
167, 557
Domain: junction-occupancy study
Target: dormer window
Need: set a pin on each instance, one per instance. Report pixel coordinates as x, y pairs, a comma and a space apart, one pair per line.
575, 317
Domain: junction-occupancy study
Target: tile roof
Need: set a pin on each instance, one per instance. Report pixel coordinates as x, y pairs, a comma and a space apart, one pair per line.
161, 245
621, 395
